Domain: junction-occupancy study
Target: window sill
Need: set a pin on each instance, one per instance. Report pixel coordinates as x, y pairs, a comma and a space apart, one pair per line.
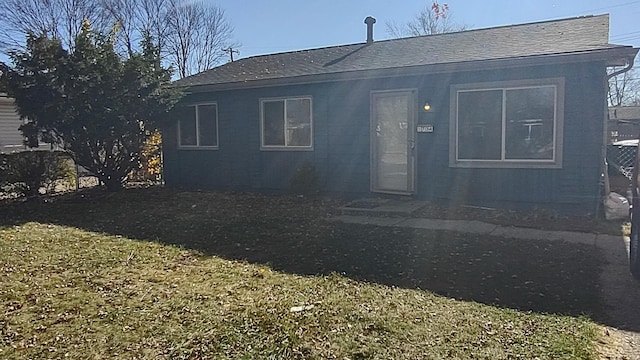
506, 164
198, 148
286, 148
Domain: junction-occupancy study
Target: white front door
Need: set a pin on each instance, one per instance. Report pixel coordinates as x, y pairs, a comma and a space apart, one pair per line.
393, 141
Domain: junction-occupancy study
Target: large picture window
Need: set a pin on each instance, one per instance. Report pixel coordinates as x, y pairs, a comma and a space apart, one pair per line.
286, 123
511, 124
198, 126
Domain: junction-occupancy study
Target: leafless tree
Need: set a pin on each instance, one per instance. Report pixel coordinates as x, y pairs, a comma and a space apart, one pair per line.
133, 19
127, 19
433, 19
189, 34
197, 35
624, 89
61, 19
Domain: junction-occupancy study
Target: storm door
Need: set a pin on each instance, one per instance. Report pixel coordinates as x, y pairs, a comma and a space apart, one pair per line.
393, 141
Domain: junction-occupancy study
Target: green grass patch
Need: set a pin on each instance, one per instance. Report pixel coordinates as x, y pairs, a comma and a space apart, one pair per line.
162, 274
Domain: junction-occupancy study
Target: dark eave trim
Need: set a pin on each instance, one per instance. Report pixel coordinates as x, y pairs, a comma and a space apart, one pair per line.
611, 57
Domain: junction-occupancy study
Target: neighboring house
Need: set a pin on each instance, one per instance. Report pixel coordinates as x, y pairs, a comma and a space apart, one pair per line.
624, 123
11, 138
517, 118
623, 129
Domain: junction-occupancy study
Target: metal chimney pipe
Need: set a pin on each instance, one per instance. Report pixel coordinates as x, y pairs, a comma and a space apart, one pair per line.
369, 21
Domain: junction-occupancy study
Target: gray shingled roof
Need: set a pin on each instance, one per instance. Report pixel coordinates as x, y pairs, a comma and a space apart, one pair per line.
558, 37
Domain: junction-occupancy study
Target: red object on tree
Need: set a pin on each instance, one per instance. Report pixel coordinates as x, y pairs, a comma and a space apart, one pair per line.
440, 11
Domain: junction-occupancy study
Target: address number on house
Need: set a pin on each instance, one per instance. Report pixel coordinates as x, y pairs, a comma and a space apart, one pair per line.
424, 128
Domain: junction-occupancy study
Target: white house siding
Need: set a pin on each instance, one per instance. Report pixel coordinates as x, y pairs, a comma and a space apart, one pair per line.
11, 138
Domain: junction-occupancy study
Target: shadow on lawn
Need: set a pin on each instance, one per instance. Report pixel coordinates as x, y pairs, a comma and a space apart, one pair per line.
292, 235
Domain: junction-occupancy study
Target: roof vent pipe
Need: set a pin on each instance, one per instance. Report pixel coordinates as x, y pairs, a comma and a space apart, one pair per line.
369, 21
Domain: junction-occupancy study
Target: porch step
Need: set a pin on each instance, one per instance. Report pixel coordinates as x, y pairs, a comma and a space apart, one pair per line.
382, 207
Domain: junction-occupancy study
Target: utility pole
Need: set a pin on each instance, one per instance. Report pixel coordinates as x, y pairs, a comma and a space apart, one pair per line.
230, 50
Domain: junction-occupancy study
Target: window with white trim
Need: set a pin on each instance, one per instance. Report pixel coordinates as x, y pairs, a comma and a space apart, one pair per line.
510, 124
198, 126
286, 123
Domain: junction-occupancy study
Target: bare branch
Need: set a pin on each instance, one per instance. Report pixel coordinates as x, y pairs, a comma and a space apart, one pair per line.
60, 19
433, 19
190, 35
624, 89
197, 35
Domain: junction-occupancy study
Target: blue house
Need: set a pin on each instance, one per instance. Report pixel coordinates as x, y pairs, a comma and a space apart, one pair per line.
508, 117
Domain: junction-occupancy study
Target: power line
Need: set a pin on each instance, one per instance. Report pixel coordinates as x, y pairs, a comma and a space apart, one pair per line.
631, 38
613, 6
625, 34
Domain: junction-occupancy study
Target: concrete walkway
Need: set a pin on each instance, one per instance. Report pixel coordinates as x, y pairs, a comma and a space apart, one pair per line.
479, 227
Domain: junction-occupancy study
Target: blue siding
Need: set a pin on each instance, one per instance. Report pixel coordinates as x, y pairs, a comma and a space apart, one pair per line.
341, 144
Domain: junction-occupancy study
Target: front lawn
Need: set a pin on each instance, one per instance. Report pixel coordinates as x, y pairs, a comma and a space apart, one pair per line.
157, 273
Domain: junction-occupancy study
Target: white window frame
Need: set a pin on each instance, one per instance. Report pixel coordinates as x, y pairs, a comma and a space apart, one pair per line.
286, 147
555, 162
198, 146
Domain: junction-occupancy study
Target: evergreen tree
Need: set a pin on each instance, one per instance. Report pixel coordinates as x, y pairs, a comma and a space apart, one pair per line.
95, 104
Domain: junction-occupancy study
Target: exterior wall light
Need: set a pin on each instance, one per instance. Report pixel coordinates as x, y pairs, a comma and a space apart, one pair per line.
426, 106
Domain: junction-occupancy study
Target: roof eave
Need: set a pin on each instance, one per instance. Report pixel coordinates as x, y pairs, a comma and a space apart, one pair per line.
617, 56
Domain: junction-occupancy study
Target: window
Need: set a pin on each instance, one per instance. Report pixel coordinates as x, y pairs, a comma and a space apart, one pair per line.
198, 126
286, 123
511, 124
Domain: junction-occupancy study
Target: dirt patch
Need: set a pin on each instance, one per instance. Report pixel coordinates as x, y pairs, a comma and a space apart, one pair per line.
618, 344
